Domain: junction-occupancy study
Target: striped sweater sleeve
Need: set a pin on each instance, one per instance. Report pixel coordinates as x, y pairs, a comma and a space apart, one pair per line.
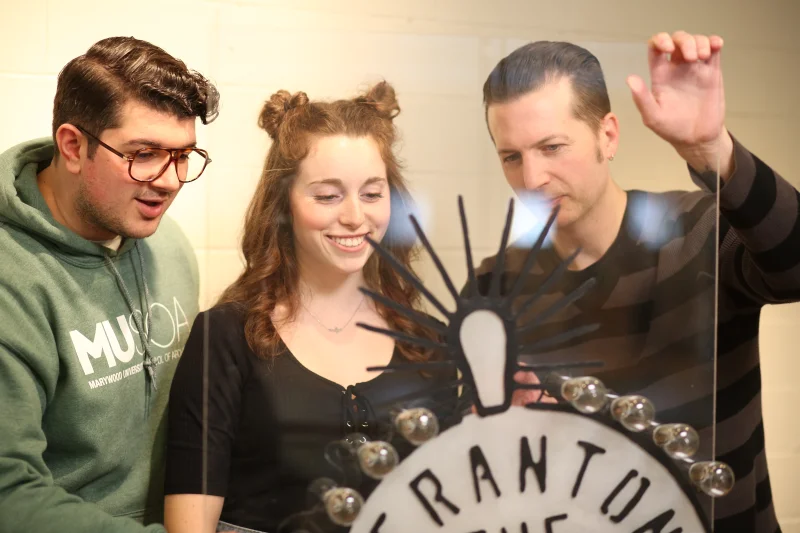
759, 233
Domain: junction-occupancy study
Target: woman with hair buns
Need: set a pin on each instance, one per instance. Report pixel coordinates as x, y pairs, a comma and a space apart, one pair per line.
277, 369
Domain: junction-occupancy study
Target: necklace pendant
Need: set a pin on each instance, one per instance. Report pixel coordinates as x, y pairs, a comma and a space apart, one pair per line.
335, 330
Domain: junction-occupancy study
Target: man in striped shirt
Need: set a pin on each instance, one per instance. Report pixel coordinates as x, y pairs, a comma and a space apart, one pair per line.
652, 256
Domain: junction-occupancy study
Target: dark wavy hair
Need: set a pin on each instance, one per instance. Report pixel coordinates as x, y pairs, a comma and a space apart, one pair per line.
93, 87
271, 274
533, 65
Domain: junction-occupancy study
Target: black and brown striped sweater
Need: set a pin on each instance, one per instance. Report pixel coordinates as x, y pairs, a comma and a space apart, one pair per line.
654, 302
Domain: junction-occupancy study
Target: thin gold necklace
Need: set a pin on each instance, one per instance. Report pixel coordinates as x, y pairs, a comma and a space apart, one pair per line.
335, 329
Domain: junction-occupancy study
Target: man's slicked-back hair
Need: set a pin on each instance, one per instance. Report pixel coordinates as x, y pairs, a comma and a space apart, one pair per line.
93, 87
534, 65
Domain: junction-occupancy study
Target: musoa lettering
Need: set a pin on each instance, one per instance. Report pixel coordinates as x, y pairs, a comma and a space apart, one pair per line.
121, 343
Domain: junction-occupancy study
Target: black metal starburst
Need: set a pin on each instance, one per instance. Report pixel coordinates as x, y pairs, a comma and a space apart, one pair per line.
473, 309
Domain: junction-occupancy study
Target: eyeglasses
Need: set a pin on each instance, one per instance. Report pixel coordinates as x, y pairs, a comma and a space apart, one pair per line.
148, 164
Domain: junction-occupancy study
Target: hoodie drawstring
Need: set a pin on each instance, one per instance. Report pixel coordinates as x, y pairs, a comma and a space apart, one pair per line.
144, 333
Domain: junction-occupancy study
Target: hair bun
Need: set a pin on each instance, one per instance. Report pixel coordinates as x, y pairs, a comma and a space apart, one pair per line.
382, 98
276, 108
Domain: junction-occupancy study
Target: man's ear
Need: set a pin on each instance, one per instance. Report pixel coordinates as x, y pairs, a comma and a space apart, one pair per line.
609, 135
69, 141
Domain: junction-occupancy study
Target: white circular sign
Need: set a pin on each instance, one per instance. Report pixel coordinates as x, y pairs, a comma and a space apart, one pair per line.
547, 469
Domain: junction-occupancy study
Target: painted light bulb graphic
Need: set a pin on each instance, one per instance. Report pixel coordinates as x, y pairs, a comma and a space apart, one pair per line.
483, 341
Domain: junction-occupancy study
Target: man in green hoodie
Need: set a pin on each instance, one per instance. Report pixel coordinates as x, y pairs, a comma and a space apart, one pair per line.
97, 291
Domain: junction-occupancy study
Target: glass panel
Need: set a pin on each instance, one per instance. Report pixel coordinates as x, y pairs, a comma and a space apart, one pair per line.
521, 395
614, 314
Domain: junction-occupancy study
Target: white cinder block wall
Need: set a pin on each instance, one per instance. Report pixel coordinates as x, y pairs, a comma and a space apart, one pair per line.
437, 54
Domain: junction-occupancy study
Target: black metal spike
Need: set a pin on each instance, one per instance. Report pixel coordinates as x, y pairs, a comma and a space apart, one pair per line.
541, 344
472, 281
412, 366
531, 259
557, 306
500, 262
554, 276
436, 261
424, 343
408, 276
420, 394
416, 316
550, 367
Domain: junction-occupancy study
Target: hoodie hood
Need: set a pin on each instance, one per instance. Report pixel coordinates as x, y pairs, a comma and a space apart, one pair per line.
23, 206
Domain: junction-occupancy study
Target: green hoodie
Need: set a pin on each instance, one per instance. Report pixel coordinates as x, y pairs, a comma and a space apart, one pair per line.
81, 420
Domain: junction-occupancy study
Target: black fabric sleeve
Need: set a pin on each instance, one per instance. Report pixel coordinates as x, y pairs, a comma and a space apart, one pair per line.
198, 446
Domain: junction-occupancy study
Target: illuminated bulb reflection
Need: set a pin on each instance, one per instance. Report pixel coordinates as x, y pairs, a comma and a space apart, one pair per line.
586, 394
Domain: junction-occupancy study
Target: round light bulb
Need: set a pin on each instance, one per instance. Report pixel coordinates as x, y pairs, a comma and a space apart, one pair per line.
377, 459
634, 412
417, 425
679, 441
586, 394
712, 477
342, 504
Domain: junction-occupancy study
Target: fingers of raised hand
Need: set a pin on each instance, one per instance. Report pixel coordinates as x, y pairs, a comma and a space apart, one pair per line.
662, 43
685, 47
